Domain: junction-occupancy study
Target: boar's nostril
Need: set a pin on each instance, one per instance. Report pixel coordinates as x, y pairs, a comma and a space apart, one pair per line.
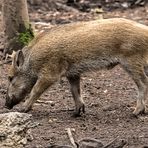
8, 105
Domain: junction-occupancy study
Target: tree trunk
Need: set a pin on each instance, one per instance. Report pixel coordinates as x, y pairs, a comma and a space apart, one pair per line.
18, 31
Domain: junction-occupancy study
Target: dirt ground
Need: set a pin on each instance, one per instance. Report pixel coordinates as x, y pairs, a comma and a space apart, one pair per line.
110, 96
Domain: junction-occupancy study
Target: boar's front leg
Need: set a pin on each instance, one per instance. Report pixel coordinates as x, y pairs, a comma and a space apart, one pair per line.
41, 85
75, 90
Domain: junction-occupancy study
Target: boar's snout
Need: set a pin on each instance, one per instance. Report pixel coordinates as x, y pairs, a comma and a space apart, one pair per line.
10, 102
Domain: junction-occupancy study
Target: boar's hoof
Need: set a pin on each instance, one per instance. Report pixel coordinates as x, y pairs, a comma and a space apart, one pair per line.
139, 110
79, 112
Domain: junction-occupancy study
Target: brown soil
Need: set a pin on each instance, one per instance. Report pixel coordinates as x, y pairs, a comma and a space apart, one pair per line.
110, 97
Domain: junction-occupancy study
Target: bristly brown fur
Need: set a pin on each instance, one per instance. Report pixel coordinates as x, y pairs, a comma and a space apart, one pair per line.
72, 49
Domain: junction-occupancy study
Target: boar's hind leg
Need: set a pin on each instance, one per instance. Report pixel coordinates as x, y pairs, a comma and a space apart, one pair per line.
141, 80
146, 69
146, 72
41, 85
75, 90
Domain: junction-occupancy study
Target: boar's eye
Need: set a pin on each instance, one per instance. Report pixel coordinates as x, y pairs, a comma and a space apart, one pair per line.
10, 78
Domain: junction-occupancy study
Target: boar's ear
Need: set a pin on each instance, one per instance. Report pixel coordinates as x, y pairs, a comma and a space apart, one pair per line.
18, 59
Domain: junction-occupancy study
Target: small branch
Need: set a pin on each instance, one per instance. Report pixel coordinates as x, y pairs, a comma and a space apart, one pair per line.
71, 137
116, 143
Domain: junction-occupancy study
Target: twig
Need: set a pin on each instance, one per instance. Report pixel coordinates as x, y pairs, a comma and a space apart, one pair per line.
116, 144
106, 146
71, 137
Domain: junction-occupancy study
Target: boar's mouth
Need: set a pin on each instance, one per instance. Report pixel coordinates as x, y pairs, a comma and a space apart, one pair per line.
10, 102
8, 106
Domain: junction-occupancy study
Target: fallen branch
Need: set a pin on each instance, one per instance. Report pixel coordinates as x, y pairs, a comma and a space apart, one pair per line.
71, 137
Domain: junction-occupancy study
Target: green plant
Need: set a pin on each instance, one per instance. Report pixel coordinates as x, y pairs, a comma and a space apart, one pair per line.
25, 37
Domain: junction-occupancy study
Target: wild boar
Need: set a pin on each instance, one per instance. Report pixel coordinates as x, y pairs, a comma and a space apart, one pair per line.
72, 49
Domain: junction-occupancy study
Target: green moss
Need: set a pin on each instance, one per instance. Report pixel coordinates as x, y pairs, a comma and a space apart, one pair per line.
25, 37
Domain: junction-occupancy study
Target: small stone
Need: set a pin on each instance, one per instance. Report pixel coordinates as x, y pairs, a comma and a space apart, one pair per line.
52, 120
105, 91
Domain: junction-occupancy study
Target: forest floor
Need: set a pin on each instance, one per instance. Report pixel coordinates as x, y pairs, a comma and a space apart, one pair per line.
110, 96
